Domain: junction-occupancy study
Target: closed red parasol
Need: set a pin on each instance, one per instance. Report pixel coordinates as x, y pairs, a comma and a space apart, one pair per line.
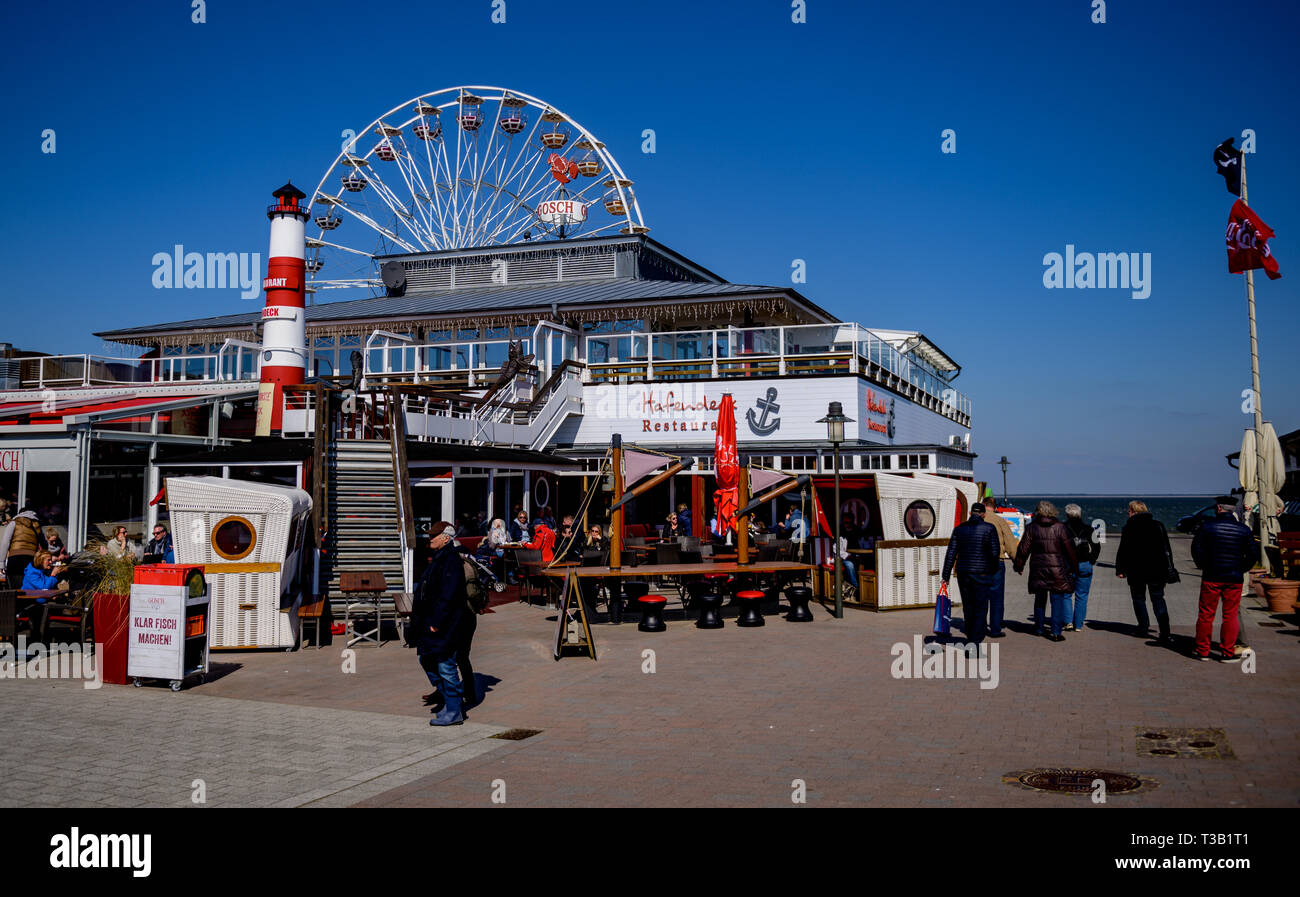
726, 467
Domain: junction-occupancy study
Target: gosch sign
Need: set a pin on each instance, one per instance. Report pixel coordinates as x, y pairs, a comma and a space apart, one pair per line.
561, 211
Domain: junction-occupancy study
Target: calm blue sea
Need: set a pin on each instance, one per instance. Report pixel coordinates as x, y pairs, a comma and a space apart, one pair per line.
1114, 508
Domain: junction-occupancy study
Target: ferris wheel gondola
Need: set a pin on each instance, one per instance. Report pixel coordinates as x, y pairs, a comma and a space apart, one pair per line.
461, 168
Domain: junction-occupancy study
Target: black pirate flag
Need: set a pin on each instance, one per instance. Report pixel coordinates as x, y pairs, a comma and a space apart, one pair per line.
1227, 158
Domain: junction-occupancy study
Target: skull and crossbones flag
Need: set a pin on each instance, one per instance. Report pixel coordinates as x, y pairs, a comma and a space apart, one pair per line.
1227, 159
1248, 238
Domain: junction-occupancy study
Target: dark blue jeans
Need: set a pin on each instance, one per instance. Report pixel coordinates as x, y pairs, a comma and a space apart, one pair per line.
1138, 590
997, 597
444, 675
975, 603
1083, 585
1058, 610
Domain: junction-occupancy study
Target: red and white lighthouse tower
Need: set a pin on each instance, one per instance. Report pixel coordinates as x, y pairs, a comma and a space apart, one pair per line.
284, 328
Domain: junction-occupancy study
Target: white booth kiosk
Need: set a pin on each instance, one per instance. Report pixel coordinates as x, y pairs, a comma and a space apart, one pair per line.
909, 570
249, 538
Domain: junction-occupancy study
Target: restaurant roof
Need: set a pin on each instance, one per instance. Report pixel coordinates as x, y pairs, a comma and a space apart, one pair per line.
490, 300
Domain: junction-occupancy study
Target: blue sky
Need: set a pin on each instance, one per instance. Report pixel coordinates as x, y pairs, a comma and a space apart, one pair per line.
775, 141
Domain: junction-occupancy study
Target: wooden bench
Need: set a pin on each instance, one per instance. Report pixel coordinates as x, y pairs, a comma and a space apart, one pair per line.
311, 612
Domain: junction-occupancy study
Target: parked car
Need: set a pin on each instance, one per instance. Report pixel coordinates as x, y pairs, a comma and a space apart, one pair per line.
1192, 522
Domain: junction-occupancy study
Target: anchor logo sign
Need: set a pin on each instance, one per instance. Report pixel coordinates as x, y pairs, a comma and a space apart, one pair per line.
767, 408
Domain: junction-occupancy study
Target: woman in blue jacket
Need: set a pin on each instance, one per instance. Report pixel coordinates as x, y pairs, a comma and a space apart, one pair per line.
37, 575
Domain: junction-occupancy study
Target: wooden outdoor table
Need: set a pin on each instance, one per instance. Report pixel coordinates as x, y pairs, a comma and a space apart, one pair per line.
41, 593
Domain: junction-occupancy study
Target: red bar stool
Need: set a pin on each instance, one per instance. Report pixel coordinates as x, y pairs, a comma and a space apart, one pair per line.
751, 613
652, 613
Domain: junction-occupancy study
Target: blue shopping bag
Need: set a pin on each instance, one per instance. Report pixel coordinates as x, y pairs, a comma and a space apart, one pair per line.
942, 612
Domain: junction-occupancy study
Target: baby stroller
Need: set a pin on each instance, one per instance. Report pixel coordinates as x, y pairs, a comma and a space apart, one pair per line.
486, 577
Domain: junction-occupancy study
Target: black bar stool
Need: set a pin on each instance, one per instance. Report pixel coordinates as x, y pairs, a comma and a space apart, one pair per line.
652, 610
709, 602
634, 589
751, 612
799, 596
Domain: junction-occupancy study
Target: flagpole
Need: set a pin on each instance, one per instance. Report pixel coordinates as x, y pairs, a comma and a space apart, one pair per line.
1254, 378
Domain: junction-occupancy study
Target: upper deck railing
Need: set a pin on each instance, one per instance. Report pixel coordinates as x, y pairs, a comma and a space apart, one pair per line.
236, 361
627, 357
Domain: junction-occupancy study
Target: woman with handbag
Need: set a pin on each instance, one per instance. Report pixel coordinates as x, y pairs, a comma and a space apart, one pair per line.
1145, 559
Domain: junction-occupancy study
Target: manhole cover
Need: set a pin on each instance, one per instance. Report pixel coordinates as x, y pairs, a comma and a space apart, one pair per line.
1187, 744
1065, 780
516, 734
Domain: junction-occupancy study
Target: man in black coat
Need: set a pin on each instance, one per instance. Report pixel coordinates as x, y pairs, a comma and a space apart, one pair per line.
438, 622
975, 552
1144, 558
1223, 549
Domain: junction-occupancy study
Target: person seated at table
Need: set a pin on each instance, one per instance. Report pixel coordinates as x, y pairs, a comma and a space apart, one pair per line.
850, 570
850, 530
519, 527
158, 550
39, 577
757, 526
546, 516
596, 540
573, 551
674, 529
120, 546
55, 545
795, 526
543, 540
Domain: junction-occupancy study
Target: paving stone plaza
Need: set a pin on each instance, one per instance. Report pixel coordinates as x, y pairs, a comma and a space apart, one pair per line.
750, 717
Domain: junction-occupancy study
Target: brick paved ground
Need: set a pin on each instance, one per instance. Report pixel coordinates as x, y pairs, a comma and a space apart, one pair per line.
730, 716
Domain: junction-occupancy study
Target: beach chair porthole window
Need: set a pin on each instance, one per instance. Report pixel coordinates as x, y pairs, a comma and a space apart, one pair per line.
919, 518
233, 538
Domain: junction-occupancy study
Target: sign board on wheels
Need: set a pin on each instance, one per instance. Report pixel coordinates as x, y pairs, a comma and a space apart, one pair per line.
157, 640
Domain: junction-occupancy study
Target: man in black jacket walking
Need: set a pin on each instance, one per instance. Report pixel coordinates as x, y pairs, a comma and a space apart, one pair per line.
1224, 549
438, 622
1144, 559
974, 550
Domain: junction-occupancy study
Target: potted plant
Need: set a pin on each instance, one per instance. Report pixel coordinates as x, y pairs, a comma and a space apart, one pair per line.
1280, 594
108, 578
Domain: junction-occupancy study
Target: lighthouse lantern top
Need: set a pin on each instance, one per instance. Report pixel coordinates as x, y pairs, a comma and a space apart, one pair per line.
288, 197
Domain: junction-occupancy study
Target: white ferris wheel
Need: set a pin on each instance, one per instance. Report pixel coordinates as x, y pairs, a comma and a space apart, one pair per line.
460, 168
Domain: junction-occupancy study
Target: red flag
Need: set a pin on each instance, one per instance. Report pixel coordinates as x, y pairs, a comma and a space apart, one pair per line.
1248, 238
726, 466
822, 522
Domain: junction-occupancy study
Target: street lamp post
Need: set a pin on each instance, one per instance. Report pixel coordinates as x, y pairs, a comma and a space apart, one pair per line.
1004, 462
835, 421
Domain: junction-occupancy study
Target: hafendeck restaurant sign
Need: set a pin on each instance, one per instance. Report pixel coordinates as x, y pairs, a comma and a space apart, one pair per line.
686, 413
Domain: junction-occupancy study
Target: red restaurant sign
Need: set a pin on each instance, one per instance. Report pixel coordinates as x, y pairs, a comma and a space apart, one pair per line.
10, 461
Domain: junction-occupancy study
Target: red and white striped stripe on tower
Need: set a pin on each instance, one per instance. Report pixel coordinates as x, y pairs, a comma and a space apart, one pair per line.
284, 327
